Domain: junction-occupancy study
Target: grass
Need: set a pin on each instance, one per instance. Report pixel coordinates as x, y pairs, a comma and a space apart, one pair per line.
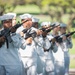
27, 9
72, 63
72, 51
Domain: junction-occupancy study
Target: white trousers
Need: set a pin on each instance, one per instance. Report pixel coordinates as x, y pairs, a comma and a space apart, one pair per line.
40, 65
30, 69
59, 68
67, 62
49, 68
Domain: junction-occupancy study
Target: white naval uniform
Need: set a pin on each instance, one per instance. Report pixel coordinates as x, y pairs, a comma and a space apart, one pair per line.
29, 55
67, 44
40, 55
52, 49
47, 66
59, 60
21, 28
10, 62
29, 58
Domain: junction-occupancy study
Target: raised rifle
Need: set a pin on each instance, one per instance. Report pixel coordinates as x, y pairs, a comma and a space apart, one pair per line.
25, 30
48, 29
70, 34
6, 32
59, 37
29, 33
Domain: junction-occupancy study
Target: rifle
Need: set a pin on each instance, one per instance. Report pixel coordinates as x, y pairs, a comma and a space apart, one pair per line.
48, 29
70, 34
6, 32
59, 37
25, 30
29, 33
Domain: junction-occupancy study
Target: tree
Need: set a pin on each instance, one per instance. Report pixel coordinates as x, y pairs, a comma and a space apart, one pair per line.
57, 8
8, 5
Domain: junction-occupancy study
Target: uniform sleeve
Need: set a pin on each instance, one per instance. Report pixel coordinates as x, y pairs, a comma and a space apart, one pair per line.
54, 47
18, 41
20, 29
46, 44
39, 41
69, 43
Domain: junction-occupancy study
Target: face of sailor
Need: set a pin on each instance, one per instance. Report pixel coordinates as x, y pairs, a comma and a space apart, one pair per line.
27, 24
56, 29
62, 30
7, 23
14, 21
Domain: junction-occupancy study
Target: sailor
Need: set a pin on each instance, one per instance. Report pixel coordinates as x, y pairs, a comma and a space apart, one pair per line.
59, 54
14, 18
48, 56
27, 24
67, 44
10, 62
35, 22
29, 54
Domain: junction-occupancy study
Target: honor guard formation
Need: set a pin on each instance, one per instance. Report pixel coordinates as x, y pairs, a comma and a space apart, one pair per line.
27, 49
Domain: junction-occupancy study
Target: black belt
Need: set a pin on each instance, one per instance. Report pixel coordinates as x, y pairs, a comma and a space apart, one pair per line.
46, 50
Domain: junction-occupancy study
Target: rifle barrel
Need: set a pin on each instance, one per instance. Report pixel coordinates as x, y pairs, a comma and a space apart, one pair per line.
71, 33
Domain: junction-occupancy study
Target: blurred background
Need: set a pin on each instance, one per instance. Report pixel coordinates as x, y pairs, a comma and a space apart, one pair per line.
45, 10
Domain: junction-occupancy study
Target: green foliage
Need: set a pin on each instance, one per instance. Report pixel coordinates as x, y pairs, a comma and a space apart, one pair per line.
59, 3
8, 6
4, 5
73, 23
74, 36
45, 2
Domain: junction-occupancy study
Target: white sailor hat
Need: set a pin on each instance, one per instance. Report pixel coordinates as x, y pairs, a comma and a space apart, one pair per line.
45, 24
63, 25
14, 14
26, 16
35, 19
6, 17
